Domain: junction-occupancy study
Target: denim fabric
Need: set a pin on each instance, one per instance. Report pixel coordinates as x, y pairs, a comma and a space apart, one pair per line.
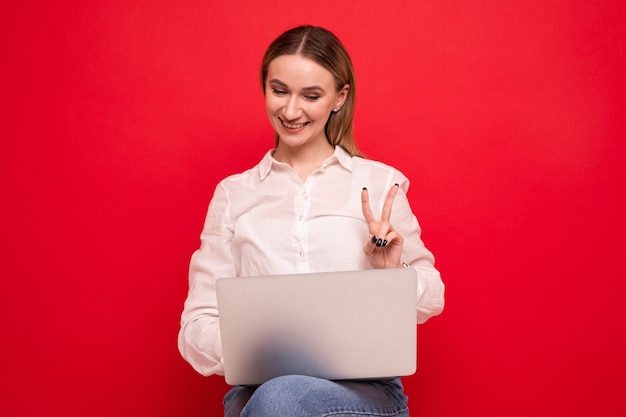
303, 396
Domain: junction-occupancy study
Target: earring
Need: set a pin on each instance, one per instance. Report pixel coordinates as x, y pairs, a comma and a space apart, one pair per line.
336, 109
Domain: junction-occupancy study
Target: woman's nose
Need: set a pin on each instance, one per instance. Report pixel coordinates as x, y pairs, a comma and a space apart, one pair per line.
292, 109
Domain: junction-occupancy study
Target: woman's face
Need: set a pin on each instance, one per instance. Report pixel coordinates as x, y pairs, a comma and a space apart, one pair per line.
299, 98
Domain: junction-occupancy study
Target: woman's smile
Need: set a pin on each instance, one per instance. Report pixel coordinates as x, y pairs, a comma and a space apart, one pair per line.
293, 126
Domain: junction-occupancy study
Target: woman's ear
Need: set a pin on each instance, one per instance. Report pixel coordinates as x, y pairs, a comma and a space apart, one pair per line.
342, 96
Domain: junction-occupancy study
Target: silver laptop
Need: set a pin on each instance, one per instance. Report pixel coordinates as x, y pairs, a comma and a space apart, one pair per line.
338, 325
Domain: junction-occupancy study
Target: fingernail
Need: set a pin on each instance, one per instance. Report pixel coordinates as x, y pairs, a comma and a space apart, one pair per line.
379, 243
384, 243
397, 185
374, 239
364, 188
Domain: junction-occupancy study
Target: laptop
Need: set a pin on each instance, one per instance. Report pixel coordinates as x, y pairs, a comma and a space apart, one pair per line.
332, 325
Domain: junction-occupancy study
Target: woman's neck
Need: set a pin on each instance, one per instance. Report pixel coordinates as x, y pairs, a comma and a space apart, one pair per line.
304, 159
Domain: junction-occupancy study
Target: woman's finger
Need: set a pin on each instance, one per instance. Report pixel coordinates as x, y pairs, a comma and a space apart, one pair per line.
384, 236
365, 206
385, 225
386, 213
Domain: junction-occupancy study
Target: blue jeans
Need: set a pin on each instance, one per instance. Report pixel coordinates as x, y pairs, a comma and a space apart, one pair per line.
304, 396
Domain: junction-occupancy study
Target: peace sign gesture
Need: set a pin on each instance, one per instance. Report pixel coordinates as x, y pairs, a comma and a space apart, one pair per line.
384, 249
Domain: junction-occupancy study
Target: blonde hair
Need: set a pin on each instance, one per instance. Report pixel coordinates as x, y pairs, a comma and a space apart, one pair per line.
324, 48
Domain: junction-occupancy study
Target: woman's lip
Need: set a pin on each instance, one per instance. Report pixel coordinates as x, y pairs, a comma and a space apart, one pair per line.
292, 126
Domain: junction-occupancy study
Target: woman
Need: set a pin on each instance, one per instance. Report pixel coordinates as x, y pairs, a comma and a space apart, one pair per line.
312, 204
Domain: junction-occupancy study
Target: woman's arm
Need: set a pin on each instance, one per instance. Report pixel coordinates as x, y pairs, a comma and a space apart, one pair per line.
395, 239
199, 338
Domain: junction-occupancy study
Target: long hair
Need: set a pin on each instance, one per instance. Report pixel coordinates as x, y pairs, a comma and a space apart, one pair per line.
324, 48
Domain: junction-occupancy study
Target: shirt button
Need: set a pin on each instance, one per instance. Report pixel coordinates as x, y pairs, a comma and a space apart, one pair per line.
301, 254
300, 218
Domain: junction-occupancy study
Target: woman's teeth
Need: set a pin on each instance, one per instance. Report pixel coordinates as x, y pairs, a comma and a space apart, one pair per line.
293, 125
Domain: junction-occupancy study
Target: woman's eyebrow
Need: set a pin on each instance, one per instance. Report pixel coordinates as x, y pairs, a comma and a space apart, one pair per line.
279, 82
313, 88
282, 84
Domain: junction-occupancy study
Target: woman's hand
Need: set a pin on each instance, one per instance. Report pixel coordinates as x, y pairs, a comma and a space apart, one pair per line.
384, 249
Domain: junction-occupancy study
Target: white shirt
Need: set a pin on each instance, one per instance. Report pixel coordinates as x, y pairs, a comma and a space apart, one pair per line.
266, 221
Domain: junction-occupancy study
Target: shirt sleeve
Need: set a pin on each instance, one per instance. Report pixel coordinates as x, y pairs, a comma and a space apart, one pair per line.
430, 287
199, 340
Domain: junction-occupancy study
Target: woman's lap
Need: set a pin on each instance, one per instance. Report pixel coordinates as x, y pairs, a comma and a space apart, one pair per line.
302, 396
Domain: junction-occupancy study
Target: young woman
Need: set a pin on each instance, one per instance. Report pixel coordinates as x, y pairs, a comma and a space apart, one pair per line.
312, 204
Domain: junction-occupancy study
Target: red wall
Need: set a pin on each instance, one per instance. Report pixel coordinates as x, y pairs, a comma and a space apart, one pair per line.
118, 119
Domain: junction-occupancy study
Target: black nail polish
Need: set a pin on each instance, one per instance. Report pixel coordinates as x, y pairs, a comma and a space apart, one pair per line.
364, 188
379, 242
384, 243
374, 239
397, 185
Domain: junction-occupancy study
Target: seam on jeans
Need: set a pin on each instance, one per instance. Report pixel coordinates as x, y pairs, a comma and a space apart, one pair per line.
364, 413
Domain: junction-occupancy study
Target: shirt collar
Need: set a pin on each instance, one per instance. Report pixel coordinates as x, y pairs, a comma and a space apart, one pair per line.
344, 158
340, 155
266, 164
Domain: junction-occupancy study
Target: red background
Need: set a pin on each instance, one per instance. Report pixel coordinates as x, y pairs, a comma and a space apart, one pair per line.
119, 118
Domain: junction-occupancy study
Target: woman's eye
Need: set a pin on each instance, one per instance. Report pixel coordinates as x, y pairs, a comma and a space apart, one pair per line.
278, 92
312, 98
